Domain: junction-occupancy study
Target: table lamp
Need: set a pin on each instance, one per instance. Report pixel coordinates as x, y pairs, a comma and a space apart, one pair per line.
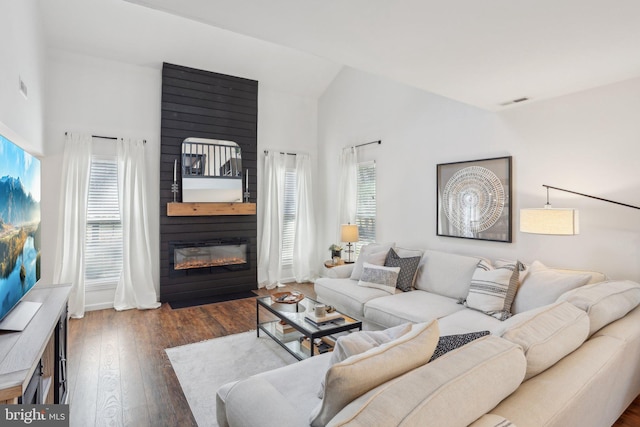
349, 234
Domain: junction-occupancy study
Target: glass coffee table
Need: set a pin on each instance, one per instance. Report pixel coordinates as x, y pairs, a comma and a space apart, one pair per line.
294, 331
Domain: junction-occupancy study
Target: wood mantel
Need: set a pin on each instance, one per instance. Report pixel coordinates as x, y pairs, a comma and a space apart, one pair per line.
210, 209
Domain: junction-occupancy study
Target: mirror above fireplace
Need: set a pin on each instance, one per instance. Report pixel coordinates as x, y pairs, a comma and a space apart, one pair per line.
211, 171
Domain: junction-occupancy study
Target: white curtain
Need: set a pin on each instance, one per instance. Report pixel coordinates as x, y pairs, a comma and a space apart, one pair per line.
304, 246
347, 188
69, 266
136, 288
269, 262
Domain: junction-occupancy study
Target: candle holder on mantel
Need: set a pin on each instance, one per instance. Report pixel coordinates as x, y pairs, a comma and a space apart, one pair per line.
174, 190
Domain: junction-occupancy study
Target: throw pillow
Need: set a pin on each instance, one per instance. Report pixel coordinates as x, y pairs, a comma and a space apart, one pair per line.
408, 269
604, 302
373, 253
353, 377
544, 285
492, 290
361, 341
448, 343
379, 277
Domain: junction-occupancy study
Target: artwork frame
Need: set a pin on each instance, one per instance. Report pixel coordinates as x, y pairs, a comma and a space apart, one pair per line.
474, 199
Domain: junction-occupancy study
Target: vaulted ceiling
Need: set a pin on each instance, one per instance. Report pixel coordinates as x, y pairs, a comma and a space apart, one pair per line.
483, 53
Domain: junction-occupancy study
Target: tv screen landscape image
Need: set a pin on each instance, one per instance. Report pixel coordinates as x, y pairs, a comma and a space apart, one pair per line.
19, 224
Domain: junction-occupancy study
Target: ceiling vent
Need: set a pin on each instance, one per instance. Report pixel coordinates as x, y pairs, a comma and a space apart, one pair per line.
514, 101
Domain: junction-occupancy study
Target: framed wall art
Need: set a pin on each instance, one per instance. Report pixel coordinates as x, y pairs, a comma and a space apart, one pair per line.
474, 199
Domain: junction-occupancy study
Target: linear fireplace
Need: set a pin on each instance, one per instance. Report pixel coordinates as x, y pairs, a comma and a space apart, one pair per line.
208, 257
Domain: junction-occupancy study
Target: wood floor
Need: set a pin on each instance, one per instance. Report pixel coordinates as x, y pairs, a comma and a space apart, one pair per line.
119, 374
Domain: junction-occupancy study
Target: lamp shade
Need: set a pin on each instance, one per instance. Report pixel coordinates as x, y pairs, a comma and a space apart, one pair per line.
349, 233
562, 222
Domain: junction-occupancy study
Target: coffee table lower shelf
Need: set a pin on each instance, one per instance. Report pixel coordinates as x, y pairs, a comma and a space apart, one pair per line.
301, 326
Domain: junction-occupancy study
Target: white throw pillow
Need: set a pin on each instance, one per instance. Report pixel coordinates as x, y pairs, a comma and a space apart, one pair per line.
548, 335
492, 290
371, 253
604, 302
379, 277
543, 286
358, 374
361, 341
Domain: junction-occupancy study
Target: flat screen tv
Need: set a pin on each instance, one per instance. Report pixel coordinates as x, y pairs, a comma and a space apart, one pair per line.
19, 224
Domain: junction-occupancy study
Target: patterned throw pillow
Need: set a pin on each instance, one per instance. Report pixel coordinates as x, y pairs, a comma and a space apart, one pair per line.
492, 290
408, 269
376, 276
446, 343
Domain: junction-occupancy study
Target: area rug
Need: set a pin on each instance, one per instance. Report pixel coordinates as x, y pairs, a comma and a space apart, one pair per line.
203, 367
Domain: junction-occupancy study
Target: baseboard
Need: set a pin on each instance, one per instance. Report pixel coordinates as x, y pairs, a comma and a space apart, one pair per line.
98, 306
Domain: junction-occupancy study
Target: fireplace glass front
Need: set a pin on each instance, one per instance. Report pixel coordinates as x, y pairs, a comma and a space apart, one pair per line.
209, 256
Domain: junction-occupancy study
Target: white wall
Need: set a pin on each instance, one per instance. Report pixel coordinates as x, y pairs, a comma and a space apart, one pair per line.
587, 142
110, 98
21, 51
98, 97
288, 123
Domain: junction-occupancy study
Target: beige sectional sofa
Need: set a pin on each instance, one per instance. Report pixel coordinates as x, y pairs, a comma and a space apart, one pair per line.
569, 356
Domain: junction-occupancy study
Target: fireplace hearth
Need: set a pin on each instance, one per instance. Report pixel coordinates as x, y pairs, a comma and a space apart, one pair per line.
208, 257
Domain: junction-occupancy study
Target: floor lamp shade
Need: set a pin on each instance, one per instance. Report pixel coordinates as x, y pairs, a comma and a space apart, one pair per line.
349, 233
563, 222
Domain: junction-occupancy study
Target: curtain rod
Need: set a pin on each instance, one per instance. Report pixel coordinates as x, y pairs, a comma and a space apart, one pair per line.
281, 152
368, 143
113, 138
362, 145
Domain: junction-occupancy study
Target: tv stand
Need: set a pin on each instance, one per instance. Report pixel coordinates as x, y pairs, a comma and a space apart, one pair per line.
33, 361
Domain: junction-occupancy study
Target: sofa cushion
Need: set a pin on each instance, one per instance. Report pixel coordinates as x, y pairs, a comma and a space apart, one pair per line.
547, 335
492, 290
453, 390
414, 307
465, 321
544, 285
361, 341
447, 343
408, 269
346, 295
373, 253
604, 302
446, 274
351, 378
379, 277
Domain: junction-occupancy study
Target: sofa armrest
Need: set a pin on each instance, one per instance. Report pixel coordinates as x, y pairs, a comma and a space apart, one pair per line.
339, 272
269, 408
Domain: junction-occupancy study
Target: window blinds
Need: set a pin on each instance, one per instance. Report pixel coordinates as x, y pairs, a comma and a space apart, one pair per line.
289, 217
366, 204
103, 245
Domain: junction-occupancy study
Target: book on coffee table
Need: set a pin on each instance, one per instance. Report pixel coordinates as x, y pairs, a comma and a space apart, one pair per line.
327, 318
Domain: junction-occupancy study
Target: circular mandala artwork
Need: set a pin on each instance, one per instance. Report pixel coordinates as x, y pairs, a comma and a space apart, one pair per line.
473, 199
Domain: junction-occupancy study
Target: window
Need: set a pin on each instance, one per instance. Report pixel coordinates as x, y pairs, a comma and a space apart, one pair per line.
366, 204
289, 217
103, 244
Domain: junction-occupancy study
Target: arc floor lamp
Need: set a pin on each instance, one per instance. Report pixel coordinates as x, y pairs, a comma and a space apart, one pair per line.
548, 220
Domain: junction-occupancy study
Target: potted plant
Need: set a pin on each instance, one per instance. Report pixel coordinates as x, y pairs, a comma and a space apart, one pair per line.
336, 251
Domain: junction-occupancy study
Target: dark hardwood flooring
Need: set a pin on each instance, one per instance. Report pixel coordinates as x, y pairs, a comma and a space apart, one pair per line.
119, 374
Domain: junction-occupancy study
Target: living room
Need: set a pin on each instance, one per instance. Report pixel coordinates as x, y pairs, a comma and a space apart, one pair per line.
95, 67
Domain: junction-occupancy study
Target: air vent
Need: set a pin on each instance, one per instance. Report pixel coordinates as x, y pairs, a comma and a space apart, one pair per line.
514, 101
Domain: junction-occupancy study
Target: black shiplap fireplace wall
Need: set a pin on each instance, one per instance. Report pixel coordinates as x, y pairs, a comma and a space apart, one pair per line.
203, 104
